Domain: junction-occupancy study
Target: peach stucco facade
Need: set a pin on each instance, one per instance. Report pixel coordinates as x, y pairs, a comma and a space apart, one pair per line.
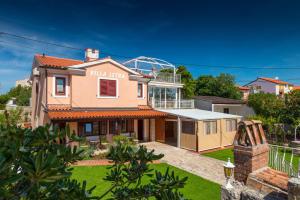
83, 90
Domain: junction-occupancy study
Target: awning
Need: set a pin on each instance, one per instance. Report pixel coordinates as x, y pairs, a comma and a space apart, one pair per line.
198, 114
71, 115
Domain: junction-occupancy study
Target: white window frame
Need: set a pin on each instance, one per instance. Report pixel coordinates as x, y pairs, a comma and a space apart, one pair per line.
204, 127
143, 93
54, 86
107, 97
230, 122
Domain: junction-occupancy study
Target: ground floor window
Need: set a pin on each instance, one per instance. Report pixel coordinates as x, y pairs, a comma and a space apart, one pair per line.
188, 127
231, 125
210, 127
103, 127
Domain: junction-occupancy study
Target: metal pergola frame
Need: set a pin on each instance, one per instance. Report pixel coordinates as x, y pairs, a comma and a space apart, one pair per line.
136, 64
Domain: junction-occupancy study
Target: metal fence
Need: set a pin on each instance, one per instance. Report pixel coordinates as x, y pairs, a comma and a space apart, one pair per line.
284, 159
172, 104
168, 77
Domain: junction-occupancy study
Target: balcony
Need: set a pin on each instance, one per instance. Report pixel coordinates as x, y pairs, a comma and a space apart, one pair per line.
168, 77
173, 104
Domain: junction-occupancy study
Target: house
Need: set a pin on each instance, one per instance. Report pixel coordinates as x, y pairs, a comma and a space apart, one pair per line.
223, 105
102, 97
245, 91
270, 85
296, 87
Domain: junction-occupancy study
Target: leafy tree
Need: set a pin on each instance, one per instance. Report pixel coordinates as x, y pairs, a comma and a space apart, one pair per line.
221, 86
22, 95
13, 117
188, 81
291, 112
131, 164
266, 104
3, 100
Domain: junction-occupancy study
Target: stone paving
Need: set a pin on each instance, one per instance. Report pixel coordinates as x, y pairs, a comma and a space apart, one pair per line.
208, 168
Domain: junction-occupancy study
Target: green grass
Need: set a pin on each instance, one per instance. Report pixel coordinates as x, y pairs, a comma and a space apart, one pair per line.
223, 154
195, 188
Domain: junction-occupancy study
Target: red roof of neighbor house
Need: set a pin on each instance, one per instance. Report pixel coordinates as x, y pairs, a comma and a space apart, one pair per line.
50, 61
243, 88
65, 115
296, 87
274, 80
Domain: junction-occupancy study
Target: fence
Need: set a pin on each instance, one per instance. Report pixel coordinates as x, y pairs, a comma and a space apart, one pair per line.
285, 159
172, 104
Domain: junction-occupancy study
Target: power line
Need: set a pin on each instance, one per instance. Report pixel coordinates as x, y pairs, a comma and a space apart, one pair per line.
129, 57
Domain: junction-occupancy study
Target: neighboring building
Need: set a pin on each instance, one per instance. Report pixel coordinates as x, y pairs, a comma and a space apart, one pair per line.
103, 97
245, 91
296, 88
24, 82
223, 105
270, 85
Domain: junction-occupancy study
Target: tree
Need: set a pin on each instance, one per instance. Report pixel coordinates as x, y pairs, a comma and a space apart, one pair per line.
291, 112
12, 117
221, 86
266, 104
131, 164
22, 95
188, 89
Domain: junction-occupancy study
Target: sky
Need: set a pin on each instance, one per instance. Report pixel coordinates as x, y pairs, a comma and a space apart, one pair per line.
248, 38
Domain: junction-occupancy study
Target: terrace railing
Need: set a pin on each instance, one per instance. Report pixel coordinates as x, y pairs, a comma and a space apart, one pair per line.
168, 77
173, 104
285, 159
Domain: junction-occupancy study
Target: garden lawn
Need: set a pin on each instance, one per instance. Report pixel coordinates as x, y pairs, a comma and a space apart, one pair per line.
195, 188
223, 154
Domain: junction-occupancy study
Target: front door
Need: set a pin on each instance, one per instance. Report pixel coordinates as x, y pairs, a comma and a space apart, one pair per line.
140, 129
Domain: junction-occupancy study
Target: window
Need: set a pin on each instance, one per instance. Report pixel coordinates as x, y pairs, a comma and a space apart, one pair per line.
210, 127
60, 86
231, 125
140, 90
108, 88
188, 127
103, 127
226, 110
88, 128
113, 127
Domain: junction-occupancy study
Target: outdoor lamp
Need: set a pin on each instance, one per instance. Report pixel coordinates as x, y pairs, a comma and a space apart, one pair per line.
228, 172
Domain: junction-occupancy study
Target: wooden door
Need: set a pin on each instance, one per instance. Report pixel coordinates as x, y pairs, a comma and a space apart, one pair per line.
160, 130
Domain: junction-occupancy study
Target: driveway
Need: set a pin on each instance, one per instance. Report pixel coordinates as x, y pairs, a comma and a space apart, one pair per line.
208, 168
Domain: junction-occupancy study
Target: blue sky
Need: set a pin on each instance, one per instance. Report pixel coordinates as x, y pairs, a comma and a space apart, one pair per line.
201, 34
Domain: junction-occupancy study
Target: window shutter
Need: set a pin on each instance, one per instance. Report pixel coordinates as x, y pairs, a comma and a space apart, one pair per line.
103, 87
111, 88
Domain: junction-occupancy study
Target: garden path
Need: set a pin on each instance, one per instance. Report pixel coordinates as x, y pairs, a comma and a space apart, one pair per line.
208, 168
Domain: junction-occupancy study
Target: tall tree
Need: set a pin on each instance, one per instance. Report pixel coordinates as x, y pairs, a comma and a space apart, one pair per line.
266, 104
22, 95
188, 81
221, 86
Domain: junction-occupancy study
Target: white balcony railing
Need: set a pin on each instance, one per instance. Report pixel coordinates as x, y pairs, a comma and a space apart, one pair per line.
172, 104
168, 77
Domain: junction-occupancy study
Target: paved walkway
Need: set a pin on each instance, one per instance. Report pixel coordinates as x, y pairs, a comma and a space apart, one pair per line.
192, 162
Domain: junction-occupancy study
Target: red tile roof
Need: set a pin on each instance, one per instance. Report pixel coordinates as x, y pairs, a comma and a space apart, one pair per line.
54, 107
274, 80
65, 115
296, 88
50, 61
243, 88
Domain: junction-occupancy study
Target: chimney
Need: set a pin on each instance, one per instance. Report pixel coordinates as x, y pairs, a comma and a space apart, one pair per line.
91, 54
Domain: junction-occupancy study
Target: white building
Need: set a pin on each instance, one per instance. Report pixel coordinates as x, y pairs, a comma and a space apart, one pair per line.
23, 82
270, 85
